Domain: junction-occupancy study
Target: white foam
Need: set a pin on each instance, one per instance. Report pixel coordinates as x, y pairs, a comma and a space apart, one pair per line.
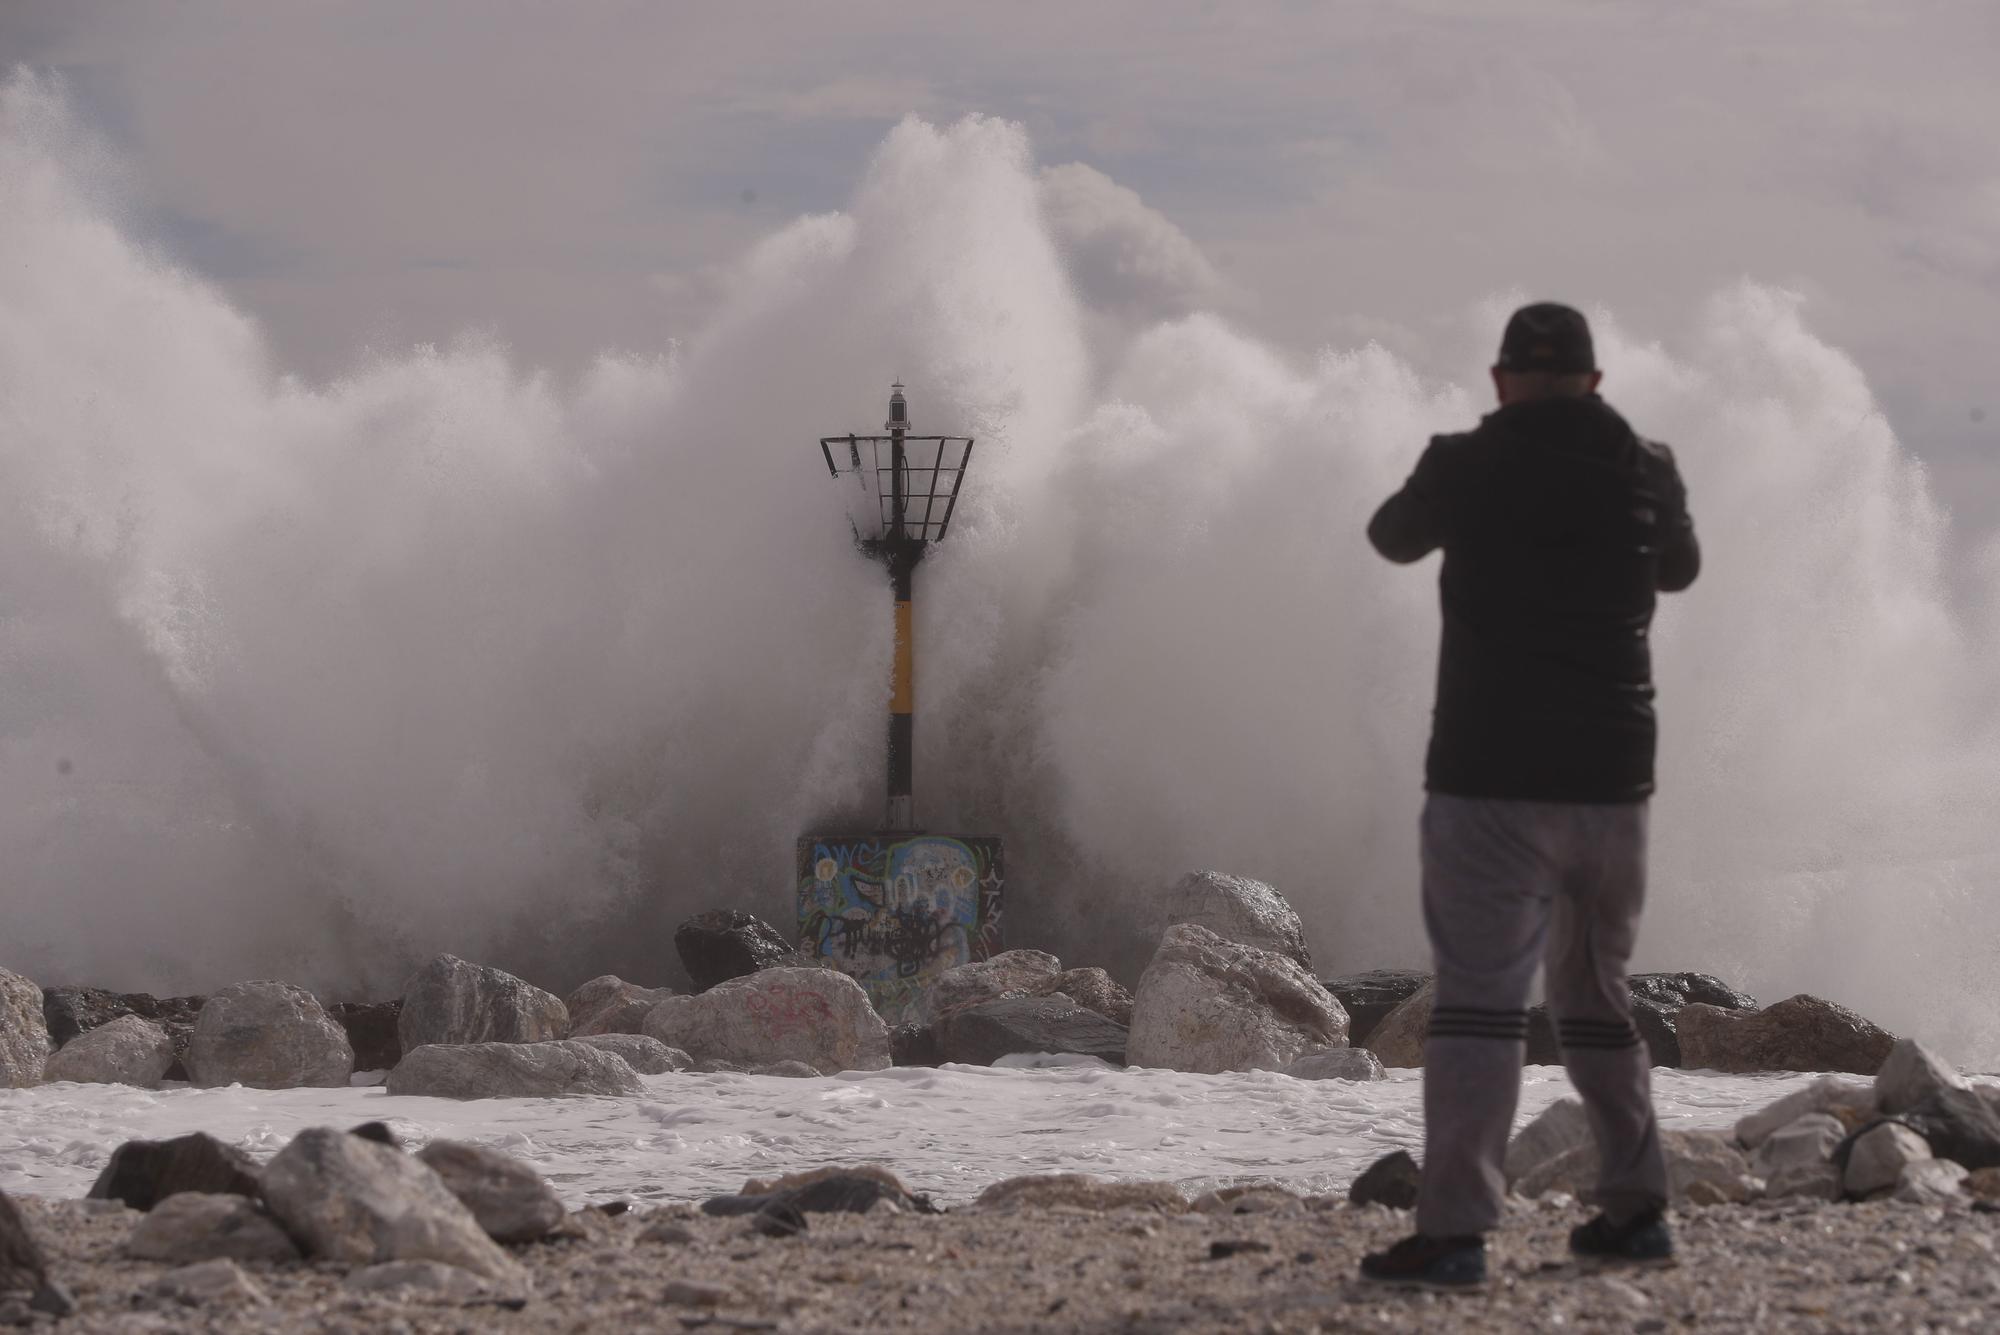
949, 1131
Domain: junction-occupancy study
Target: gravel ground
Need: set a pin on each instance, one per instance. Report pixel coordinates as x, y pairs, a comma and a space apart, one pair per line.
1787, 1266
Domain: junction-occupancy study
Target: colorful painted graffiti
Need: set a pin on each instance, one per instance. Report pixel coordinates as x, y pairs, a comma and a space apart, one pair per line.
894, 912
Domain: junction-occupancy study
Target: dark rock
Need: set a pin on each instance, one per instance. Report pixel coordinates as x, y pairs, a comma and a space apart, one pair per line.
1653, 1020
1959, 1125
1675, 990
727, 943
914, 1045
1370, 996
1801, 1033
142, 1173
1391, 1180
371, 1031
778, 1220
378, 1132
981, 1035
1224, 1248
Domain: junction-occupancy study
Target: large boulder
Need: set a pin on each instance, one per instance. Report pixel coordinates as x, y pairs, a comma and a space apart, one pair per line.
192, 1226
983, 1034
451, 1001
72, 1011
268, 1035
1911, 1074
24, 1267
817, 1016
511, 1071
1209, 1004
1369, 997
1011, 973
610, 1005
508, 1198
1703, 1168
1094, 990
1878, 1155
142, 1173
1959, 1125
127, 1051
24, 1032
351, 1200
647, 1056
1237, 909
373, 1031
1398, 1040
1801, 1033
728, 943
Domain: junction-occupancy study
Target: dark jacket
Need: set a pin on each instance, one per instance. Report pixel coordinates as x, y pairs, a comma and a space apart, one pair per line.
1558, 526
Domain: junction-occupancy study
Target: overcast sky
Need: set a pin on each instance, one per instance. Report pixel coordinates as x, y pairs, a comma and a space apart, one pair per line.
572, 176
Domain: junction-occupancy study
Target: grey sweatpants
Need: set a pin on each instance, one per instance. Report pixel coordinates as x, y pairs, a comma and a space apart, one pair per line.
1507, 885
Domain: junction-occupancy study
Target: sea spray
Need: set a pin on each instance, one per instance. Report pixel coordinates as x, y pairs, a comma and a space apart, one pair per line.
313, 680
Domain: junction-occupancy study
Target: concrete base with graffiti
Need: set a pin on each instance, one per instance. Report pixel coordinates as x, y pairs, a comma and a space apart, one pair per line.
893, 911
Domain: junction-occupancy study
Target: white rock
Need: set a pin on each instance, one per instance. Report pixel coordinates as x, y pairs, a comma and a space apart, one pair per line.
129, 1050
1826, 1094
512, 1071
193, 1226
647, 1056
508, 1198
1010, 973
357, 1201
1930, 1182
1399, 1040
1556, 1129
610, 1005
452, 1001
432, 1278
1879, 1155
24, 1033
1802, 1143
268, 1035
1337, 1064
218, 1283
1207, 1004
817, 1016
1912, 1074
1237, 909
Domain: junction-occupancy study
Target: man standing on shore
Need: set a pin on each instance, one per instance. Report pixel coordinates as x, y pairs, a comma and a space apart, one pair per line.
1559, 525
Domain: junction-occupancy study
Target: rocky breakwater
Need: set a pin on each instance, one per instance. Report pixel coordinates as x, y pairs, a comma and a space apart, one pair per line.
728, 943
1209, 1004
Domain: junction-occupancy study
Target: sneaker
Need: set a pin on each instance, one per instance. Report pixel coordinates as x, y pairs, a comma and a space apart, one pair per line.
1418, 1262
1643, 1240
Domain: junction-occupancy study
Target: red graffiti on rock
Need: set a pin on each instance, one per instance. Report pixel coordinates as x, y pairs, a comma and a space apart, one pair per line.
783, 1007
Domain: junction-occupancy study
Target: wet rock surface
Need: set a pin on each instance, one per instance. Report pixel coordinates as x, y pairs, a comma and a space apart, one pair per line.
372, 1029
450, 1000
511, 1071
728, 943
1801, 1033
